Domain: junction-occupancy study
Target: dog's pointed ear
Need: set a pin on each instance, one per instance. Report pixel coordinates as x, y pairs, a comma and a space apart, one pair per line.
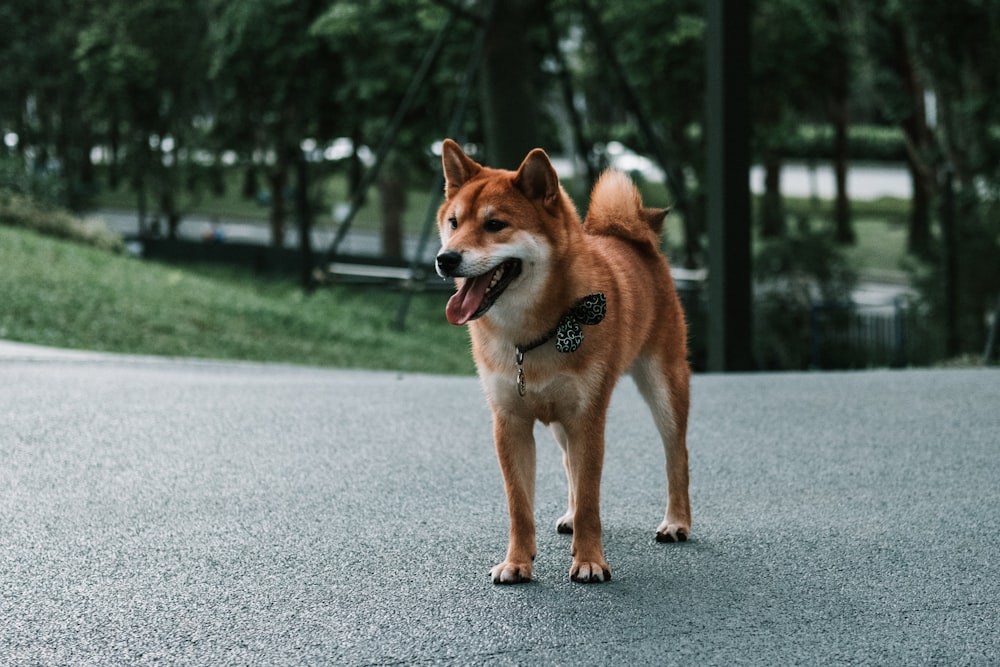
537, 178
654, 218
458, 167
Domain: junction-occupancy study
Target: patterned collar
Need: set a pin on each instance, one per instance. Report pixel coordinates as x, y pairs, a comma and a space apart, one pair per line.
589, 310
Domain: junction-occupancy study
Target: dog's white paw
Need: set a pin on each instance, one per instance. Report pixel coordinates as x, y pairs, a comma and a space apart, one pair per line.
564, 524
586, 572
672, 532
508, 572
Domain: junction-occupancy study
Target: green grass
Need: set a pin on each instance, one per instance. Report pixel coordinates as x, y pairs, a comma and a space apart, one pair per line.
881, 230
68, 295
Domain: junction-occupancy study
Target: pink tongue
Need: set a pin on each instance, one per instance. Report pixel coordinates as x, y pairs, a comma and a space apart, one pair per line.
466, 301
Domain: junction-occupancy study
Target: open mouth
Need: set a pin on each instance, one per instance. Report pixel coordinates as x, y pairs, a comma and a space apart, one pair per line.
478, 293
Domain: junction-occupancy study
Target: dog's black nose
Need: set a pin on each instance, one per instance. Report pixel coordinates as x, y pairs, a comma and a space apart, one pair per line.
448, 261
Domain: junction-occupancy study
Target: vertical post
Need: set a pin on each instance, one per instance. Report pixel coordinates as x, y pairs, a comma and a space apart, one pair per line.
509, 98
817, 326
899, 332
728, 175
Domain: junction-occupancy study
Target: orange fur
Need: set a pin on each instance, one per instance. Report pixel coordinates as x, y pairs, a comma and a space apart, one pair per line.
490, 216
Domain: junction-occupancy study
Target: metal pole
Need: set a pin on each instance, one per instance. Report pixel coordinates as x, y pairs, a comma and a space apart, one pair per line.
727, 35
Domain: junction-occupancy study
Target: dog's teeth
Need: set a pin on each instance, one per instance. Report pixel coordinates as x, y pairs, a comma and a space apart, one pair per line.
497, 275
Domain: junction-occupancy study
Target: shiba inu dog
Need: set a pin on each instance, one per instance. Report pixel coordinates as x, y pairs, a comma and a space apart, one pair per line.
557, 311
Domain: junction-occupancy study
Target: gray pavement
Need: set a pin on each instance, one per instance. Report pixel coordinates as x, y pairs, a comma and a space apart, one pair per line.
202, 513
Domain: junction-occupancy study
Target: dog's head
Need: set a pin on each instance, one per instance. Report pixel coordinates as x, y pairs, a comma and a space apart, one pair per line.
498, 230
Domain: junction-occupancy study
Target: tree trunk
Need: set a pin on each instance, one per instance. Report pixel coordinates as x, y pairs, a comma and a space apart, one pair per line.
355, 170
918, 142
304, 216
509, 99
392, 201
249, 188
139, 180
919, 239
839, 118
843, 229
277, 179
772, 210
168, 206
140, 209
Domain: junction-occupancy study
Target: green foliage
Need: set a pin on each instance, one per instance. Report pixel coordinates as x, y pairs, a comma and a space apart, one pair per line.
792, 274
789, 68
380, 45
19, 210
869, 143
976, 273
44, 187
66, 295
958, 54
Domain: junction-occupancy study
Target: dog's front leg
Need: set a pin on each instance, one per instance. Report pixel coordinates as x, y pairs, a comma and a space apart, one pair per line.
585, 457
515, 443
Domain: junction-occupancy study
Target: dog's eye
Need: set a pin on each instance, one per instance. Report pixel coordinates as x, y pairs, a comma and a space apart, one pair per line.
494, 225
453, 221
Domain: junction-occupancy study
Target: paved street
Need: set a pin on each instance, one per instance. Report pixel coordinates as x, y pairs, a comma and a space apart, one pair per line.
202, 513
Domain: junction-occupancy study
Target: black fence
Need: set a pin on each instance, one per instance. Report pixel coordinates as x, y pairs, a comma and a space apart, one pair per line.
859, 336
893, 333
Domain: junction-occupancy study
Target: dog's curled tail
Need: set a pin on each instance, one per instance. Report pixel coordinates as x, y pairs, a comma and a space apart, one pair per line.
616, 210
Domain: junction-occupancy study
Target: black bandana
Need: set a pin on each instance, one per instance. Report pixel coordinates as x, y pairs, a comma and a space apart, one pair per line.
588, 311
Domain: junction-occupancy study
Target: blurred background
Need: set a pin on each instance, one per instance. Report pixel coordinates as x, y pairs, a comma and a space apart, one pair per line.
257, 179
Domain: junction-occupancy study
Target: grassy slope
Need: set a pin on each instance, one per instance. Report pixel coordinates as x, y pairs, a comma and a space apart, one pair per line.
62, 294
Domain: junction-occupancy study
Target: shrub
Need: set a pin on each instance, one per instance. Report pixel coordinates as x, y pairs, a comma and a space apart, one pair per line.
21, 210
977, 288
792, 275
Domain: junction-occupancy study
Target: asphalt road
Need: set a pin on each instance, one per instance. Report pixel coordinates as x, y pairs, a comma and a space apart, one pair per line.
199, 513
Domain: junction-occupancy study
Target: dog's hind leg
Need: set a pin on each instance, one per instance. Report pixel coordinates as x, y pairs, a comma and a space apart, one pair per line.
564, 524
667, 392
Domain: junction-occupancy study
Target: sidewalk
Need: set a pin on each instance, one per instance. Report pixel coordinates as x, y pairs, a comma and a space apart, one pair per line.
216, 513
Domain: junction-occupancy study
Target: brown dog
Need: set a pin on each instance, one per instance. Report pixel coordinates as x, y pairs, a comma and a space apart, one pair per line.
557, 312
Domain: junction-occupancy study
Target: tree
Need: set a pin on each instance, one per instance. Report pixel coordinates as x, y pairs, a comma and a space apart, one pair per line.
42, 91
797, 62
901, 90
378, 73
837, 57
143, 64
956, 45
276, 84
662, 58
